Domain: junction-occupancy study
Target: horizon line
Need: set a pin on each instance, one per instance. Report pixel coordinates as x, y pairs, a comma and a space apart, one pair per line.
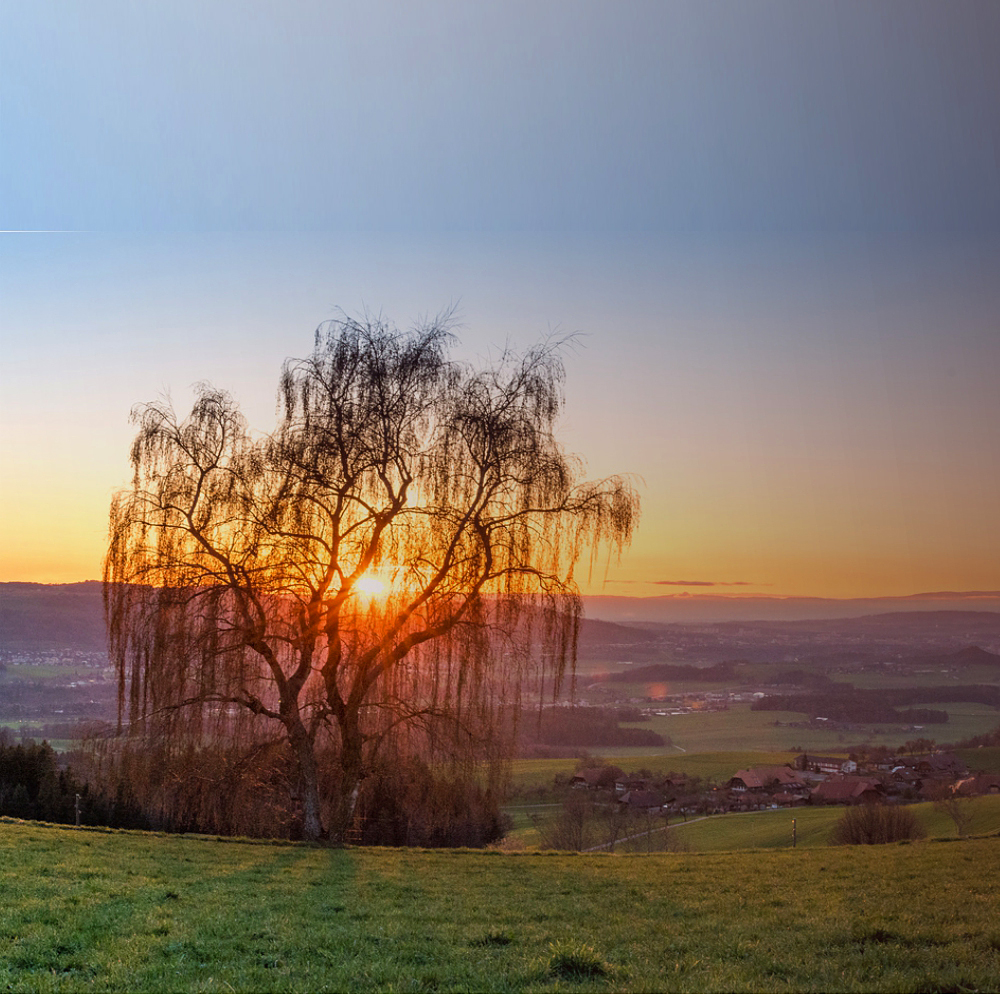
685, 595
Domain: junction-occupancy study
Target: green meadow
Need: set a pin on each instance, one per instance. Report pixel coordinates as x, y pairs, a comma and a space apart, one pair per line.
90, 910
814, 826
739, 728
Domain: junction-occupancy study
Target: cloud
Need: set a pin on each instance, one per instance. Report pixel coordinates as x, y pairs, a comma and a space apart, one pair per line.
700, 583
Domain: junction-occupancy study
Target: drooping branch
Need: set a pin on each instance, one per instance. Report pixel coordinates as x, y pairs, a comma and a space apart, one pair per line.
235, 563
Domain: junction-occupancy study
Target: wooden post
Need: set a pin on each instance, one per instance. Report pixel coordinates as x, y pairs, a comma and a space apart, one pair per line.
77, 807
793, 831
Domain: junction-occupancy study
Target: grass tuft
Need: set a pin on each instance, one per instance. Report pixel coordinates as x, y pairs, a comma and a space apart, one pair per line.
493, 939
575, 962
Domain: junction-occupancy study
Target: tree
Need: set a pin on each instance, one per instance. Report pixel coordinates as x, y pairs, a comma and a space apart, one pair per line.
958, 809
384, 578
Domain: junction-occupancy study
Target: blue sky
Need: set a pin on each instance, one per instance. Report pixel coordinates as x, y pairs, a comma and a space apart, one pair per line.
776, 226
581, 115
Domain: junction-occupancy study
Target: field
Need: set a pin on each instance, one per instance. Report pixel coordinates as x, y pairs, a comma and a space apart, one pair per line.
746, 831
814, 824
114, 912
739, 728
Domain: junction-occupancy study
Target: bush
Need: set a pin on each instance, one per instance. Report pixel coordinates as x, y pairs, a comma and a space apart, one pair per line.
874, 823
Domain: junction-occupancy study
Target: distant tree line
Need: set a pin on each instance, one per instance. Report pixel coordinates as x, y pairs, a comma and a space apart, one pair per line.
587, 727
676, 672
991, 739
845, 703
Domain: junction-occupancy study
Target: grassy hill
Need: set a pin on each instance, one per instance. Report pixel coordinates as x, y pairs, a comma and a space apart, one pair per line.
90, 910
814, 825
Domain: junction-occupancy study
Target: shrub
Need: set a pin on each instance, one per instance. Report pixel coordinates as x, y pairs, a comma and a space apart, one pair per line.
874, 823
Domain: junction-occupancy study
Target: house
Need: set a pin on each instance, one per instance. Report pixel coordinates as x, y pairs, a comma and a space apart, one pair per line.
939, 764
882, 762
760, 779
848, 791
628, 784
825, 765
790, 799
642, 800
596, 777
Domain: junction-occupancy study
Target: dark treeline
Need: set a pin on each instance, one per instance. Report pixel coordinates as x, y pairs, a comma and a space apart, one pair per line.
803, 678
586, 727
845, 703
848, 707
34, 786
676, 672
991, 739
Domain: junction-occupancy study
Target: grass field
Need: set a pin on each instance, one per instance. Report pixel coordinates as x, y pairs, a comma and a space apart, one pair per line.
113, 912
982, 759
746, 831
814, 825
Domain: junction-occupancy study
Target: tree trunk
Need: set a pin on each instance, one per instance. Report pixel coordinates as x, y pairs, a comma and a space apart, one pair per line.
312, 827
305, 759
350, 781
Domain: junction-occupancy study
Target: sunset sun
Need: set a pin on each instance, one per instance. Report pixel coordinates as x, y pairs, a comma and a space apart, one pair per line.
370, 586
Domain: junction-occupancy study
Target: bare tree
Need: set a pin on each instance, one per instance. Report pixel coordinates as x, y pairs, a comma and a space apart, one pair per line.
958, 809
384, 577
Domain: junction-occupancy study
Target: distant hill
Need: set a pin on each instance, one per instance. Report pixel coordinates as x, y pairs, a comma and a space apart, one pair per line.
65, 615
689, 608
593, 631
894, 622
972, 656
672, 672
72, 614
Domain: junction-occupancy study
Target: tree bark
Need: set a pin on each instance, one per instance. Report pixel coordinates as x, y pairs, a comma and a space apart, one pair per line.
305, 759
350, 781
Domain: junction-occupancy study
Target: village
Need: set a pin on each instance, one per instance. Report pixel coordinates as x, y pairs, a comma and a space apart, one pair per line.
807, 780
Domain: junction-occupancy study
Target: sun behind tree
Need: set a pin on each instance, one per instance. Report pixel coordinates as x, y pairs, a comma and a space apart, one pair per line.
371, 586
240, 582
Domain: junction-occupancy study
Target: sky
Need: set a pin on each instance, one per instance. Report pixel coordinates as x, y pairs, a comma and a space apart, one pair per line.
774, 228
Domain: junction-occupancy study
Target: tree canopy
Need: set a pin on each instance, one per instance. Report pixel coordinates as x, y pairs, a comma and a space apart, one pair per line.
384, 578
